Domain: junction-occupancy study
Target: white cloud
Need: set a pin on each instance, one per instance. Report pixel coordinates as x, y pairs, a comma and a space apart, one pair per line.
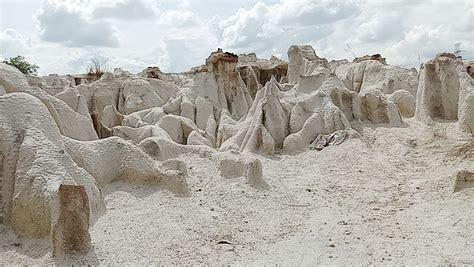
178, 18
66, 23
185, 54
380, 27
12, 43
405, 32
270, 29
125, 9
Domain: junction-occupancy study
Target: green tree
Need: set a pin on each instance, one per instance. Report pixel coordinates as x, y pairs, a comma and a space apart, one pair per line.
24, 66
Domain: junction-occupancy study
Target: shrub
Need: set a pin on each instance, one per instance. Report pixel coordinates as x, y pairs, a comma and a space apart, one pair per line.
97, 67
24, 66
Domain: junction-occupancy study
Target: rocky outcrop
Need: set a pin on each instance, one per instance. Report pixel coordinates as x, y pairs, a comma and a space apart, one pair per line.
35, 163
70, 228
377, 57
446, 92
257, 72
318, 104
265, 126
69, 122
232, 92
231, 164
303, 61
113, 159
313, 114
363, 76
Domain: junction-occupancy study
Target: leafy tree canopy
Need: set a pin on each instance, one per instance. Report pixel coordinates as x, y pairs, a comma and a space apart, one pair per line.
24, 66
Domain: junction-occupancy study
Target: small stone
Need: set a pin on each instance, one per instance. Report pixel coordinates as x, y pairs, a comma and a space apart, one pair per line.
332, 245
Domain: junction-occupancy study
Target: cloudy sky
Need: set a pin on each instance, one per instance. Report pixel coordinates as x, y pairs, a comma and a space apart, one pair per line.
62, 36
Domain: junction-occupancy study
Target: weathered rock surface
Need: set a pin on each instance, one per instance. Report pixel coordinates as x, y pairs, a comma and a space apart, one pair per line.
70, 122
35, 163
257, 72
304, 62
446, 92
70, 230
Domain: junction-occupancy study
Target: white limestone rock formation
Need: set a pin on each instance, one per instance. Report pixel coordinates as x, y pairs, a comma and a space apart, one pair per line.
75, 100
304, 62
165, 89
257, 72
381, 86
111, 117
179, 127
367, 75
231, 164
113, 159
377, 57
53, 83
35, 163
405, 101
222, 84
136, 135
111, 97
69, 122
313, 114
466, 102
384, 93
446, 92
139, 118
319, 103
265, 126
138, 95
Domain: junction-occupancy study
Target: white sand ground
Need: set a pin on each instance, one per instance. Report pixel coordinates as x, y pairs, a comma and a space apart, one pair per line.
384, 199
